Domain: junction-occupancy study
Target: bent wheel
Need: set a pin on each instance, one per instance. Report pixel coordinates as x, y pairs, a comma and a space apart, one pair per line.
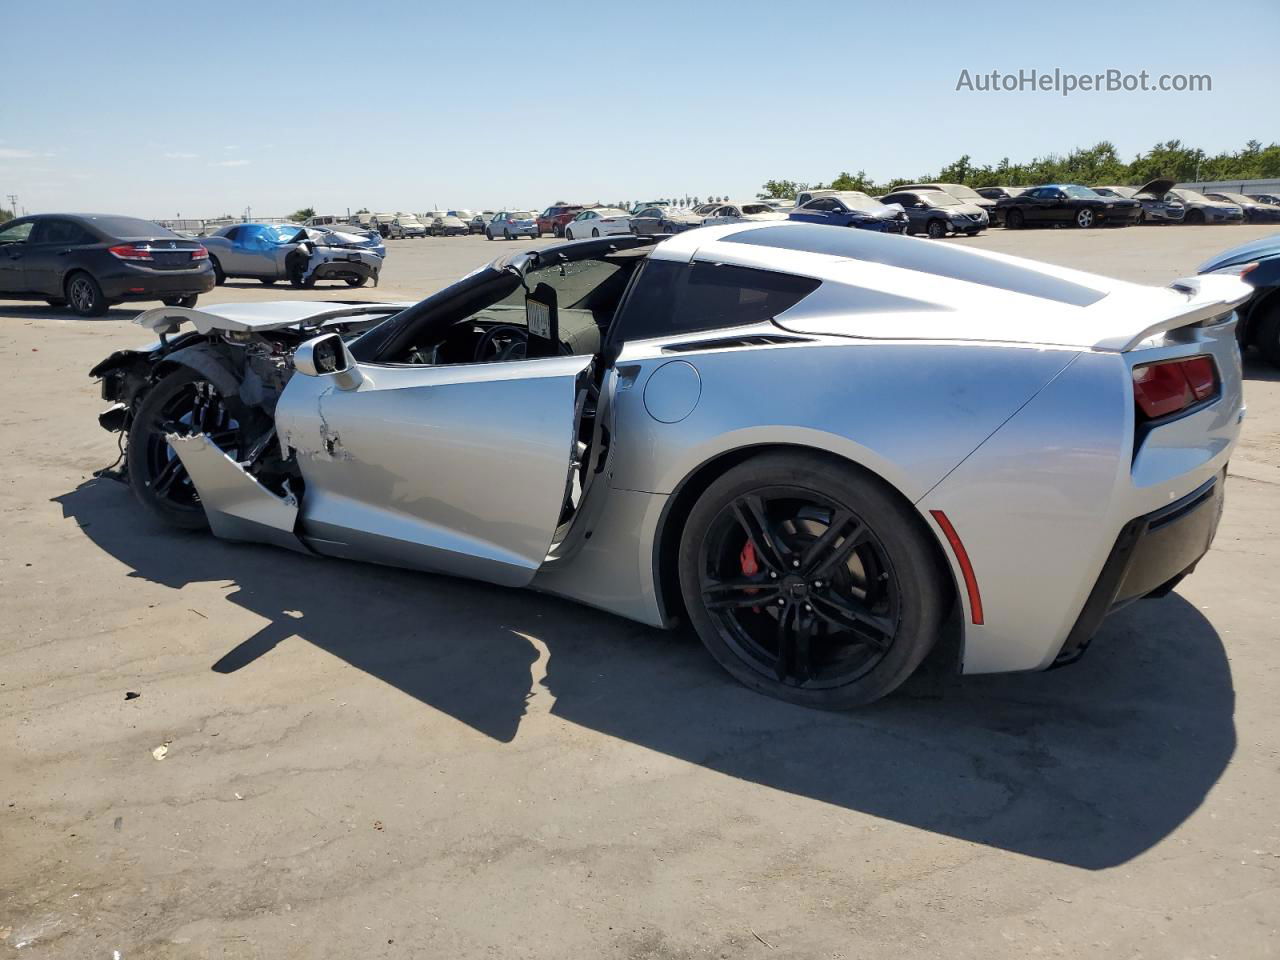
811, 581
183, 402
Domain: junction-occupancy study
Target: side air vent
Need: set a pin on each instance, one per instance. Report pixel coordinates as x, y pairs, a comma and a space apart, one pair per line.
722, 343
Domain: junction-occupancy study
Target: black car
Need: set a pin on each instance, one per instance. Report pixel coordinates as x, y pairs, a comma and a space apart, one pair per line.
1066, 204
90, 261
1257, 263
1255, 211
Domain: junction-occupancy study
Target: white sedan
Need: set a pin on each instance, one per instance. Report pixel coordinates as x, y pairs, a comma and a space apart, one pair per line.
741, 213
598, 222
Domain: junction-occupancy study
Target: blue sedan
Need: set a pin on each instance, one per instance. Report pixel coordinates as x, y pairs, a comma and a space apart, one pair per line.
852, 208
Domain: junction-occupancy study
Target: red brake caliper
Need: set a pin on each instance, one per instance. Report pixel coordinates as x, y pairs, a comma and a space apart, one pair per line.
750, 567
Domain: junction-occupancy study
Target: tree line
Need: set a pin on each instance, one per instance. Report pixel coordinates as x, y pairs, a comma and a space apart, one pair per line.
1097, 165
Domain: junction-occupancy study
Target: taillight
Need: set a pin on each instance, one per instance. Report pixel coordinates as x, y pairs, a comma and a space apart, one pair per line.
1162, 389
131, 251
199, 253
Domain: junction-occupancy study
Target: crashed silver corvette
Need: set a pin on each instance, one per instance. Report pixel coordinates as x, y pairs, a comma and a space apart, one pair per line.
834, 453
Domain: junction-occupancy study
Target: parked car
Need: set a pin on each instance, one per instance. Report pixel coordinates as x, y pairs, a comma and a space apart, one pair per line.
442, 224
1200, 209
852, 208
382, 223
757, 212
406, 226
598, 222
1254, 211
937, 214
647, 221
478, 223
959, 191
553, 219
1268, 198
89, 261
804, 196
511, 224
466, 216
683, 435
1066, 204
269, 252
780, 203
1154, 197
326, 221
1257, 263
997, 193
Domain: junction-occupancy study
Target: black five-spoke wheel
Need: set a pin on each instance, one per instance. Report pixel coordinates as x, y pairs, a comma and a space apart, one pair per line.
811, 581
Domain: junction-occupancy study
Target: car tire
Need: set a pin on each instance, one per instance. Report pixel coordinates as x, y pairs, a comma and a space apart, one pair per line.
266, 281
936, 229
560, 232
187, 301
1266, 336
895, 565
150, 466
568, 233
1084, 219
1194, 217
488, 235
1014, 220
595, 232
219, 278
506, 234
669, 230
356, 281
1142, 218
84, 295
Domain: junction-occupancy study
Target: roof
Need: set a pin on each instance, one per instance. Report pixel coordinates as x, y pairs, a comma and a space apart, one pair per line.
887, 286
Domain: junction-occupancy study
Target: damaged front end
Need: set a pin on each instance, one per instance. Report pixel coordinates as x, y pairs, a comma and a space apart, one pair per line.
195, 411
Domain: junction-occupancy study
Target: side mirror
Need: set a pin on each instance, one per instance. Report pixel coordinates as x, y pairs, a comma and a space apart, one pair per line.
327, 356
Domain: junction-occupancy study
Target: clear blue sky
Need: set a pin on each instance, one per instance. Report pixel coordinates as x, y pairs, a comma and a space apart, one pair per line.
164, 108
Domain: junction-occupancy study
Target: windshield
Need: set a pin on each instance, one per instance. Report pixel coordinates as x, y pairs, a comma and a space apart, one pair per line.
1082, 193
1191, 195
936, 198
963, 192
1127, 192
129, 228
282, 232
857, 200
1236, 197
611, 212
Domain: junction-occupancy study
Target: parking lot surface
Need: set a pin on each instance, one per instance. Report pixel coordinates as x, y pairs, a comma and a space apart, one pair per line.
364, 762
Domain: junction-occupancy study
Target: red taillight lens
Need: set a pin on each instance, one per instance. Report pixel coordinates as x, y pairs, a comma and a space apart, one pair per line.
1161, 389
199, 253
131, 251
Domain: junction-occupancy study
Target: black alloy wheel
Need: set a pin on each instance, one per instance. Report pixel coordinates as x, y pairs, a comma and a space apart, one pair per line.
936, 230
84, 295
182, 403
810, 581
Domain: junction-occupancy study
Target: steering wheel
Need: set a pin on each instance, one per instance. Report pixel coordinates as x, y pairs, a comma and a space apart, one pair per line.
504, 341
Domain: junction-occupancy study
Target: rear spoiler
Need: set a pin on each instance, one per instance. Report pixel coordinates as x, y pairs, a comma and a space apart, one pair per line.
1210, 300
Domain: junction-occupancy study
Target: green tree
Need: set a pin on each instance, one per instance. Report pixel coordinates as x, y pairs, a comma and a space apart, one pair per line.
5, 215
301, 216
781, 189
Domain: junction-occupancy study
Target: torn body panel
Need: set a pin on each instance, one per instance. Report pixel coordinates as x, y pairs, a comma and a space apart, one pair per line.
237, 505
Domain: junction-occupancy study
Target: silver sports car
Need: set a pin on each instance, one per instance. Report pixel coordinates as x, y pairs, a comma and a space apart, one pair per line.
834, 453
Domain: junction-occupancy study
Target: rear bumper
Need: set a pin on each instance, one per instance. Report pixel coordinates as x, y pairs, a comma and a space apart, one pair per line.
1152, 553
141, 283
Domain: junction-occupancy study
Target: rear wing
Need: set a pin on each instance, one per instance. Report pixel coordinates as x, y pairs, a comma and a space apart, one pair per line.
1209, 300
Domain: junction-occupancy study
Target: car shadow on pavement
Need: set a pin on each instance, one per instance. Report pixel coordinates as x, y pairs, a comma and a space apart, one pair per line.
44, 312
1089, 765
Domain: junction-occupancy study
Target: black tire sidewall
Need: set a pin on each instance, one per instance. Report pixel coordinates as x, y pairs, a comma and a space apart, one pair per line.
1013, 220
1266, 337
924, 587
136, 452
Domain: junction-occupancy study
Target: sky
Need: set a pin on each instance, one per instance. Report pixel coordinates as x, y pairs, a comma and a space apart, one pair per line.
197, 110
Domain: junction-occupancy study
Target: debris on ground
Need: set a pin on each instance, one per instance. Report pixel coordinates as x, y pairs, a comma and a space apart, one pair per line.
131, 694
161, 751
